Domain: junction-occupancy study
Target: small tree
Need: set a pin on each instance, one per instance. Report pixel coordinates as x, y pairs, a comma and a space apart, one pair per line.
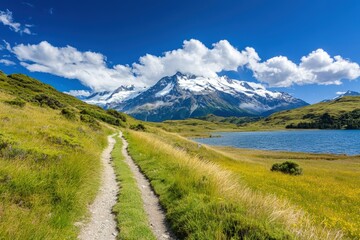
287, 167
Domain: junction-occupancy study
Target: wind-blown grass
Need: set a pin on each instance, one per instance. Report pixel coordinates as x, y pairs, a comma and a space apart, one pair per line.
49, 171
328, 191
204, 201
130, 215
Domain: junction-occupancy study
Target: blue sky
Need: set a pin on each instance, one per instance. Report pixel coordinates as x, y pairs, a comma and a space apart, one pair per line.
118, 33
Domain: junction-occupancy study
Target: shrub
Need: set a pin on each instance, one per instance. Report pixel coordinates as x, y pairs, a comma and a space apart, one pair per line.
68, 113
117, 114
16, 102
51, 102
101, 116
287, 167
138, 127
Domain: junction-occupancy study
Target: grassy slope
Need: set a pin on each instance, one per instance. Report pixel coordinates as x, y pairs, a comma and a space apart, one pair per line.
131, 217
49, 164
48, 171
281, 119
207, 195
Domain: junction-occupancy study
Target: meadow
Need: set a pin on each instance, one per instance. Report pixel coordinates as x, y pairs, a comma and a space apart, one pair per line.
327, 191
207, 195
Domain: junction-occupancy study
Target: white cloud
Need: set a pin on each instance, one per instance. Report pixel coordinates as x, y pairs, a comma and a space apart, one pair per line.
316, 68
6, 18
78, 93
92, 70
340, 93
193, 58
88, 67
7, 62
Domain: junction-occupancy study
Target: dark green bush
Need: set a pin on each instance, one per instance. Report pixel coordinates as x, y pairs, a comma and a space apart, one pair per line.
16, 102
117, 114
45, 100
287, 167
138, 127
68, 113
347, 120
103, 117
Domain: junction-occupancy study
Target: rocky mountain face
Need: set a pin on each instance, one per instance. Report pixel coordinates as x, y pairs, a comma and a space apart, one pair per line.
182, 96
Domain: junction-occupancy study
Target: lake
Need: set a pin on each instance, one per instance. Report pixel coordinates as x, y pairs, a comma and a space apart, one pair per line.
311, 141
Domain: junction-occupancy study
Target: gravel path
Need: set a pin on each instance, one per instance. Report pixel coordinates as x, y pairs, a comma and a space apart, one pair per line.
156, 214
103, 224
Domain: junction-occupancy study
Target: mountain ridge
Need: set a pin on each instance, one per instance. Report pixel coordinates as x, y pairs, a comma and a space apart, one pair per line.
182, 96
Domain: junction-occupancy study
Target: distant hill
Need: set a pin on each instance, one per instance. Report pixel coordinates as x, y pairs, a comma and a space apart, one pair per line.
341, 113
234, 120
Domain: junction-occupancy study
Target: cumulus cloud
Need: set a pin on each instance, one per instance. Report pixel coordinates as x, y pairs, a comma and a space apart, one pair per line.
6, 18
7, 62
78, 93
92, 70
89, 68
316, 68
193, 57
340, 93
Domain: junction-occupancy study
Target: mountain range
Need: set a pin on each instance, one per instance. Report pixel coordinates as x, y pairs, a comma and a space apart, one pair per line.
182, 96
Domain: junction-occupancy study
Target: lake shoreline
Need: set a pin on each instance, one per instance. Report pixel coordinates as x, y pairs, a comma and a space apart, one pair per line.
336, 142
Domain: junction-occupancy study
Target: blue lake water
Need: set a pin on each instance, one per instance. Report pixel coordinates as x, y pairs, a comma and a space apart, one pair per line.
312, 141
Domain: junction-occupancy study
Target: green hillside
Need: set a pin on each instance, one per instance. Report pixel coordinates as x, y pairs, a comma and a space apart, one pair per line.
343, 113
50, 146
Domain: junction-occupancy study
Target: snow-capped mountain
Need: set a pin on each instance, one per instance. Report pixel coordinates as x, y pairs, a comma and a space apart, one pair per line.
118, 96
347, 93
183, 96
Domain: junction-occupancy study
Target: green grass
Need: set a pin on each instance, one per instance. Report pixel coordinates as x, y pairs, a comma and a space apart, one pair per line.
49, 171
27, 89
328, 191
130, 215
204, 200
195, 127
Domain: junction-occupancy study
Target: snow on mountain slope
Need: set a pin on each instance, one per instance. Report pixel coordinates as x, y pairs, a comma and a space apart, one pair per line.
116, 97
343, 94
182, 96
